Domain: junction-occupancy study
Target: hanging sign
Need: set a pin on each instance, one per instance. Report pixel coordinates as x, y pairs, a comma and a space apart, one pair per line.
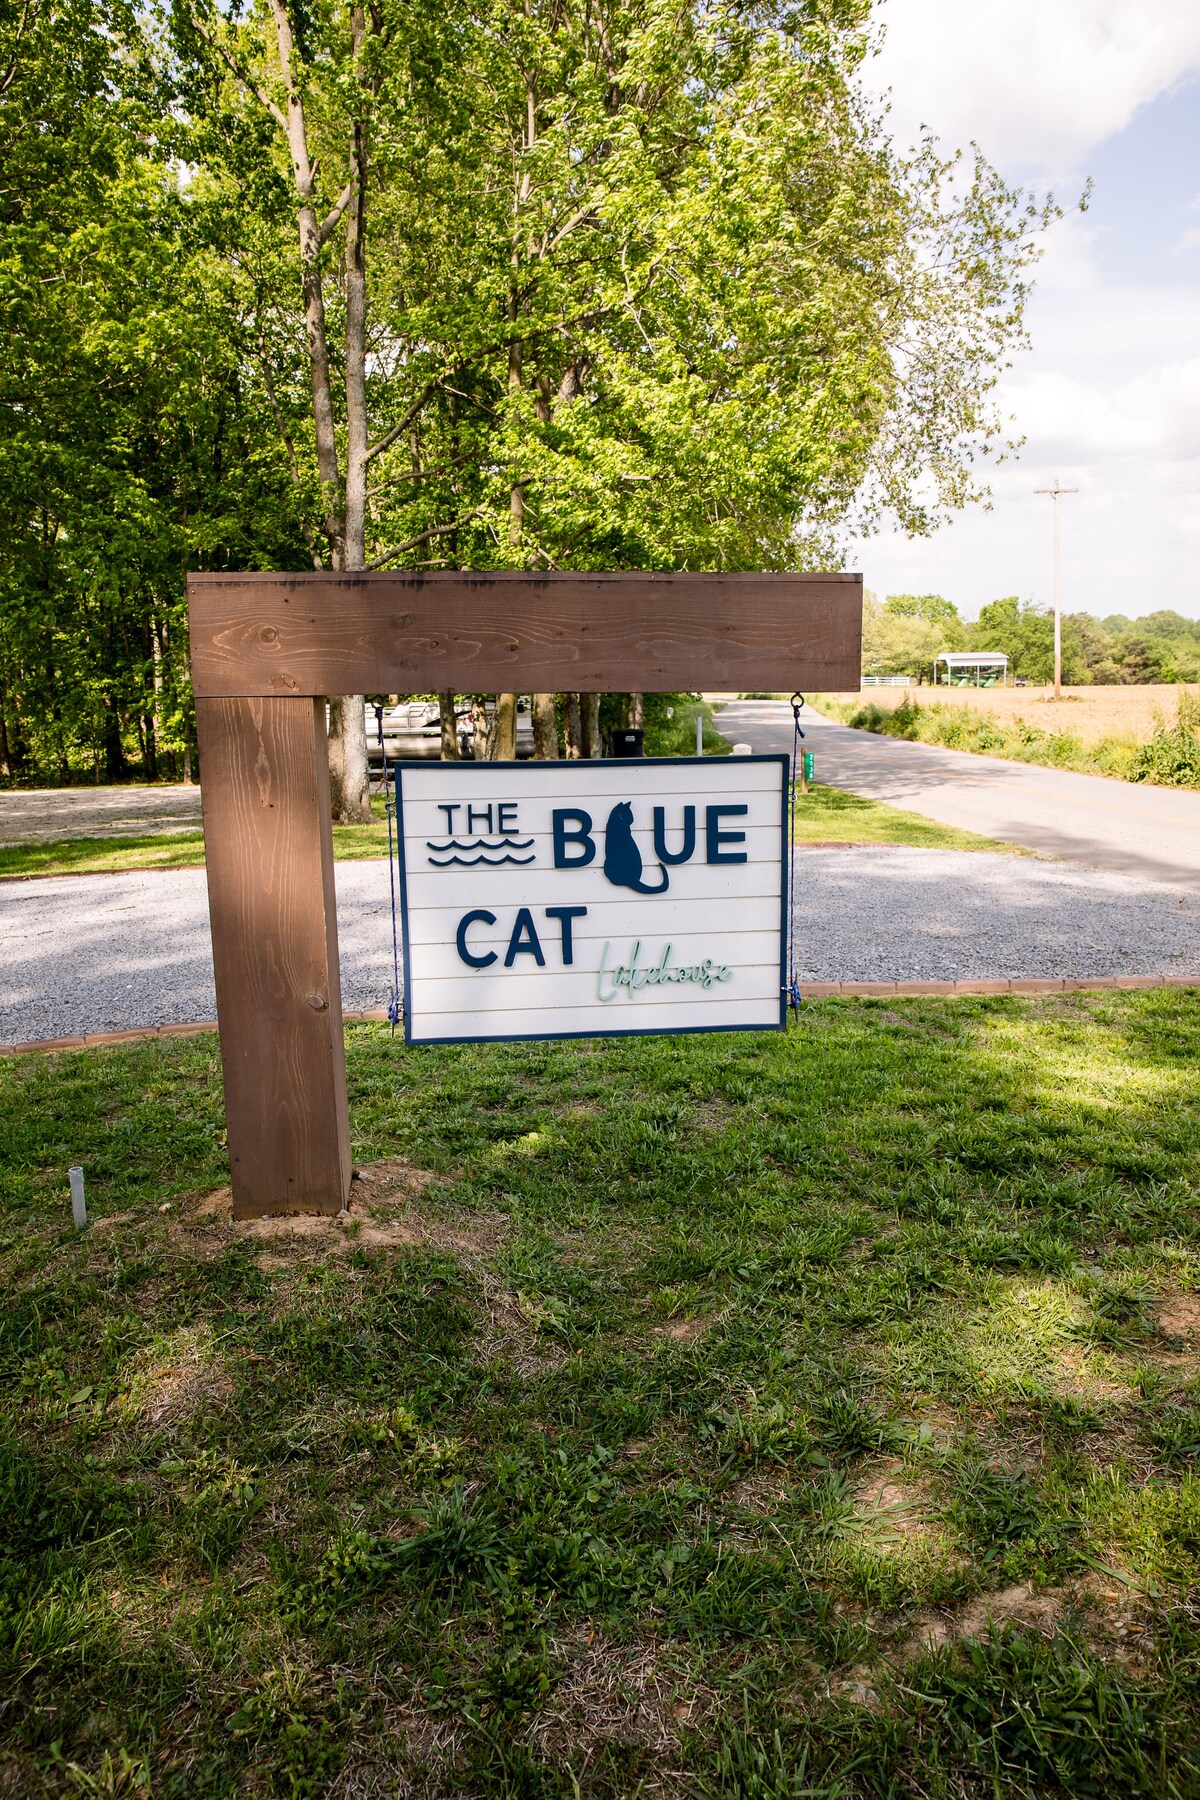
592, 899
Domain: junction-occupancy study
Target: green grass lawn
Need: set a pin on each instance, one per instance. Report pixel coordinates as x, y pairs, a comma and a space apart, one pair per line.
829, 814
160, 850
747, 1416
823, 814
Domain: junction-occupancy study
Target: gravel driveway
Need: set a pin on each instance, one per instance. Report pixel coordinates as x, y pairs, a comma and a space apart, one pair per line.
109, 952
42, 815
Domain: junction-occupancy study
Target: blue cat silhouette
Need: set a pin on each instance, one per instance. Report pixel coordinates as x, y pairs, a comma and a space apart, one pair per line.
622, 858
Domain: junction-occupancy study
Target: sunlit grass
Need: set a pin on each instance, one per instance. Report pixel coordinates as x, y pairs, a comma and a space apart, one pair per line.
643, 1444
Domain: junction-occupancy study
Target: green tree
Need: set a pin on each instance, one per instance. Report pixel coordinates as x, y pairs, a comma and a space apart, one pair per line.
131, 444
1141, 660
904, 634
598, 284
931, 607
1026, 633
1096, 648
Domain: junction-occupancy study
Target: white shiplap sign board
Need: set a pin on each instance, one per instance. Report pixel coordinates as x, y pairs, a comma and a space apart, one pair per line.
592, 899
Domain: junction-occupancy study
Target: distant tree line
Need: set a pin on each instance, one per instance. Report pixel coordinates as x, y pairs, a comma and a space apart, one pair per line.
903, 634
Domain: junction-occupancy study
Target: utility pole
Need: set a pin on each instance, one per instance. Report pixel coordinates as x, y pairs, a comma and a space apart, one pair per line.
1056, 493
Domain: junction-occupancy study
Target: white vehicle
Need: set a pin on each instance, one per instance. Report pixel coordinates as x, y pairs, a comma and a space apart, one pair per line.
412, 731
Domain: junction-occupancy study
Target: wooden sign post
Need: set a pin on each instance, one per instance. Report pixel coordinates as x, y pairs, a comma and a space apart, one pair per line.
265, 651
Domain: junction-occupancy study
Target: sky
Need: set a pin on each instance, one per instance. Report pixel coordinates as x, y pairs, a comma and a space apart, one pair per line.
1108, 397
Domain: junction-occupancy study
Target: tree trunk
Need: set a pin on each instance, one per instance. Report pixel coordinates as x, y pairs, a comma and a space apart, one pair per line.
573, 722
449, 724
504, 746
637, 712
545, 728
344, 509
115, 766
589, 737
149, 747
481, 730
316, 334
349, 777
348, 758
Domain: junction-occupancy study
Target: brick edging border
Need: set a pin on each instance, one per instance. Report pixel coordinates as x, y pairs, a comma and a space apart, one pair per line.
810, 990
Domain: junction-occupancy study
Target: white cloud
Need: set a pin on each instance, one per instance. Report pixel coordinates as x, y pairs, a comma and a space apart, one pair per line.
1109, 403
1068, 255
1037, 84
1108, 400
1090, 423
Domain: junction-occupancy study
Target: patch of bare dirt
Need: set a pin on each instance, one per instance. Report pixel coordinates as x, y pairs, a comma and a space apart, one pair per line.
714, 1114
1037, 1609
412, 1757
764, 1491
621, 1694
1179, 1317
686, 1331
217, 1205
173, 1380
605, 1695
858, 1687
943, 1422
1118, 1446
894, 1500
893, 1506
391, 1176
517, 1334
1111, 1600
382, 1214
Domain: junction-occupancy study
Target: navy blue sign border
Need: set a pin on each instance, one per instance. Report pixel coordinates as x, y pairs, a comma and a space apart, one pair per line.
546, 1037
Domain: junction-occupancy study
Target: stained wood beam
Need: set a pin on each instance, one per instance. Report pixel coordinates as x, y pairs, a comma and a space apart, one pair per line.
318, 633
269, 856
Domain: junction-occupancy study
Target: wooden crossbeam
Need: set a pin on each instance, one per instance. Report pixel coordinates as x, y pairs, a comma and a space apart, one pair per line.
488, 634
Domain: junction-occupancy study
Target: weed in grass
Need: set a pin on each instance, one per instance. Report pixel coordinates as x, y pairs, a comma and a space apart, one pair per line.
1023, 1716
1175, 1435
747, 1767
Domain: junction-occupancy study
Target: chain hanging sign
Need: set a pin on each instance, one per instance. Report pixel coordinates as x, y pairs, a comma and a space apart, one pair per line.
545, 900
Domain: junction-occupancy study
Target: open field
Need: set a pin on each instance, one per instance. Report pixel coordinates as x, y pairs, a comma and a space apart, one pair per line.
1006, 723
741, 1417
1092, 713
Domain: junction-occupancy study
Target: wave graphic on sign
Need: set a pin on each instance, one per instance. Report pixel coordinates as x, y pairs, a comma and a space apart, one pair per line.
441, 859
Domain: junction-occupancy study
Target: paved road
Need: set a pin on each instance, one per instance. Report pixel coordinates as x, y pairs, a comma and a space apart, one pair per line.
1115, 825
41, 815
110, 952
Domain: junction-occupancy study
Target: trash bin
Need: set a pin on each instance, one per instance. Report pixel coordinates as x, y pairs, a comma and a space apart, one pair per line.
629, 743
